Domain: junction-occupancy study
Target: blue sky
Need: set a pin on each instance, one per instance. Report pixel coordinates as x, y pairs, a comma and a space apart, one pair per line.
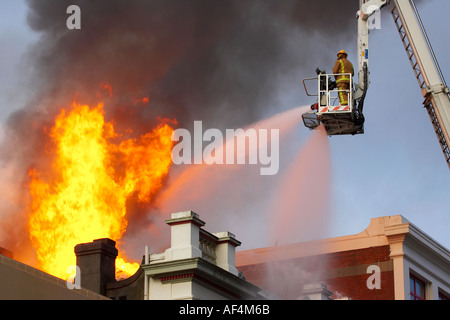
396, 167
15, 37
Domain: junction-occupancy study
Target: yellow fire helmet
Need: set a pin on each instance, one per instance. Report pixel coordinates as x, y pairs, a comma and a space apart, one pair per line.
342, 52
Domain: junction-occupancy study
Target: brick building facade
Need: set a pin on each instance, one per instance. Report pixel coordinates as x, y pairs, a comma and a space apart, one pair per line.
376, 264
353, 281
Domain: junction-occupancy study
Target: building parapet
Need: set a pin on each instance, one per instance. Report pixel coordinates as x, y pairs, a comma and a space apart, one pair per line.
198, 265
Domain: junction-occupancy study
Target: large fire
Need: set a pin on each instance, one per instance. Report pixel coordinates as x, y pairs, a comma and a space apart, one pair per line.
93, 174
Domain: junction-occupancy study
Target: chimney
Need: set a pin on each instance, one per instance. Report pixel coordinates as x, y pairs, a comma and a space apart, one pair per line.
189, 240
226, 251
185, 235
97, 263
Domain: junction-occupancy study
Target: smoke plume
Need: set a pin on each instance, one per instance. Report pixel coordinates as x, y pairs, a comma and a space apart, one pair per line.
193, 59
225, 62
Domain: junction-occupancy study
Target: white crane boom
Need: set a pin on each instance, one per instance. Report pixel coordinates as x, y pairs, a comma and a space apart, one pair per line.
367, 9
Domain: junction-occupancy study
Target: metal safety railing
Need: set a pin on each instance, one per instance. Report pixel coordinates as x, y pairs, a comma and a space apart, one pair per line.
331, 97
328, 91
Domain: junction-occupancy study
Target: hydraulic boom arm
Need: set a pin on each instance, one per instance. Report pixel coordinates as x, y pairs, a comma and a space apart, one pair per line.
367, 9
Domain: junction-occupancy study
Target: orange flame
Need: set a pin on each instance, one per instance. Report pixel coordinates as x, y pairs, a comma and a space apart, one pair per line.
93, 178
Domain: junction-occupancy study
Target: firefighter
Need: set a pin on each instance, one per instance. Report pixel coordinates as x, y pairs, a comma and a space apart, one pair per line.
342, 66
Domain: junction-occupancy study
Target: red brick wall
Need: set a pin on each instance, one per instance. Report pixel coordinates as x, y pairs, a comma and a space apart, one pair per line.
344, 273
355, 288
353, 285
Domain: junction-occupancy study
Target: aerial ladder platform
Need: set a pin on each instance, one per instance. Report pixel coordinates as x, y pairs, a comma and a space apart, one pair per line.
349, 119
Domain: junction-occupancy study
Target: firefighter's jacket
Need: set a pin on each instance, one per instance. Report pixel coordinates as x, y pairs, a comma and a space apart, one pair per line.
342, 65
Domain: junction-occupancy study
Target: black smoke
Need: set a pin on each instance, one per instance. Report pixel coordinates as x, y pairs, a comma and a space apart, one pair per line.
194, 59
226, 62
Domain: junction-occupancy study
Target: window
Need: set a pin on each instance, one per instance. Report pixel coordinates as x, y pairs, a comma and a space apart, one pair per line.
416, 288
